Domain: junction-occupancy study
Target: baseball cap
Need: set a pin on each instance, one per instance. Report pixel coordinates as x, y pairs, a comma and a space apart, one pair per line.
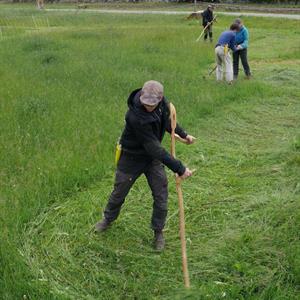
152, 93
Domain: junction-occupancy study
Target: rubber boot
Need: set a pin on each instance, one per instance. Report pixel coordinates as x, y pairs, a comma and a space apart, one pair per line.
102, 225
159, 241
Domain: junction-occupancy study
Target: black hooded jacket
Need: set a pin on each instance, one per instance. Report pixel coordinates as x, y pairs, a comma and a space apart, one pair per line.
144, 132
207, 16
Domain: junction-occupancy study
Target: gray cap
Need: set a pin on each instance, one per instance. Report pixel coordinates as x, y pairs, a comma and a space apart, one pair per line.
152, 93
238, 21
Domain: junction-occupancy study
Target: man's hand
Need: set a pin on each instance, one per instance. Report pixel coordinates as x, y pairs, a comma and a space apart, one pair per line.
186, 174
190, 139
239, 47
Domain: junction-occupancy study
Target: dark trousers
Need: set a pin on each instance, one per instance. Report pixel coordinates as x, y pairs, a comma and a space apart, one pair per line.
158, 182
208, 31
236, 57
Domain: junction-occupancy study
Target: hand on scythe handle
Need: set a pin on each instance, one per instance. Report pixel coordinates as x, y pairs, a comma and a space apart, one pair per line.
180, 203
188, 141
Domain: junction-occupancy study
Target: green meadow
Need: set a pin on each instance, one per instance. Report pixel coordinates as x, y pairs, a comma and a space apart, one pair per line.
64, 82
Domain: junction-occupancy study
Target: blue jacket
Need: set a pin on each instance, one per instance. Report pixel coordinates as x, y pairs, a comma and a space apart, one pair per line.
242, 38
227, 37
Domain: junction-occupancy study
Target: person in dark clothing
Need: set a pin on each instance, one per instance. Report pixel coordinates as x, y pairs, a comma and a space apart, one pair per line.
207, 18
242, 43
147, 120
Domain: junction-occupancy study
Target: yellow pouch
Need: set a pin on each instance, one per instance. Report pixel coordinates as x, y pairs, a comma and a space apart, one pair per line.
225, 49
118, 153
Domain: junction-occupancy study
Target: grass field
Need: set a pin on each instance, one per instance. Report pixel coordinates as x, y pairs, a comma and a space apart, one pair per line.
173, 6
65, 79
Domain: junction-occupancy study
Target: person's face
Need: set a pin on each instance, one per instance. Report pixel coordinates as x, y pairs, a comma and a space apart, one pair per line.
150, 108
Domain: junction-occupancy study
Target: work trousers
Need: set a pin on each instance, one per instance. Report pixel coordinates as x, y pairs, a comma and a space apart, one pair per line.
236, 57
224, 64
208, 32
158, 182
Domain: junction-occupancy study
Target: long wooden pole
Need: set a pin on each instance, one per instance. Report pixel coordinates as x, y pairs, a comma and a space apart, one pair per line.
180, 202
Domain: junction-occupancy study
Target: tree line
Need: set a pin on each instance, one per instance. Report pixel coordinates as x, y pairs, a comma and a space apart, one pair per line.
182, 1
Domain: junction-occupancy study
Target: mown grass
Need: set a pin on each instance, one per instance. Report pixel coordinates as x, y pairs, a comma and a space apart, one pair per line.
64, 82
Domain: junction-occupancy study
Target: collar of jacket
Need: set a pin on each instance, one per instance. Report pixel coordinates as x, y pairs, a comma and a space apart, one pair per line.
139, 110
242, 29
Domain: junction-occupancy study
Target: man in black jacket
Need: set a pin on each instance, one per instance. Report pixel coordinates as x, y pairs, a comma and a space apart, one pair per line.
207, 18
147, 120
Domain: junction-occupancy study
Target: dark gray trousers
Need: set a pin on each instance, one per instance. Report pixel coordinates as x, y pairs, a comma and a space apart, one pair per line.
208, 31
236, 57
158, 182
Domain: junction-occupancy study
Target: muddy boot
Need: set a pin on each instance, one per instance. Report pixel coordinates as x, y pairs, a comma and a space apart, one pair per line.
159, 240
102, 225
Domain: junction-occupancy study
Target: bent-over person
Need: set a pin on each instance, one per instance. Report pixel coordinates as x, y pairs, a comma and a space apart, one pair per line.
225, 43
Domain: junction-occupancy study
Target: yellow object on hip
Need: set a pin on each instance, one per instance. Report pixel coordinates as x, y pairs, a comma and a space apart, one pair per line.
118, 153
226, 49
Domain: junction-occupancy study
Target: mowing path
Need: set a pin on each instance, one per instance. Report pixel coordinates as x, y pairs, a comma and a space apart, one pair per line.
231, 209
166, 12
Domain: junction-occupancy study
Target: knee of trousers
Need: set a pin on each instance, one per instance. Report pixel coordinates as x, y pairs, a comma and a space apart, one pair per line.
117, 196
161, 203
160, 191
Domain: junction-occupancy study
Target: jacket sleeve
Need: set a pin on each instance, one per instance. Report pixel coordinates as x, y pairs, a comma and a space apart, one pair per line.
178, 130
231, 44
244, 44
153, 147
204, 17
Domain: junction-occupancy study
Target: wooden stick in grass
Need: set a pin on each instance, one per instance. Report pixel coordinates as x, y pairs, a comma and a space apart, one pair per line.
180, 202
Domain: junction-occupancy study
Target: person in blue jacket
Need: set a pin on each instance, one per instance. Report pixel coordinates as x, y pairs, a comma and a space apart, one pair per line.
225, 43
241, 41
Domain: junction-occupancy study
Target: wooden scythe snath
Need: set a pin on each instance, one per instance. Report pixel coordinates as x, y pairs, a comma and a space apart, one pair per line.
180, 201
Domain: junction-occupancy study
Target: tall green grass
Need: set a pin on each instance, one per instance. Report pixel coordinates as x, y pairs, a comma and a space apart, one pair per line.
64, 82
